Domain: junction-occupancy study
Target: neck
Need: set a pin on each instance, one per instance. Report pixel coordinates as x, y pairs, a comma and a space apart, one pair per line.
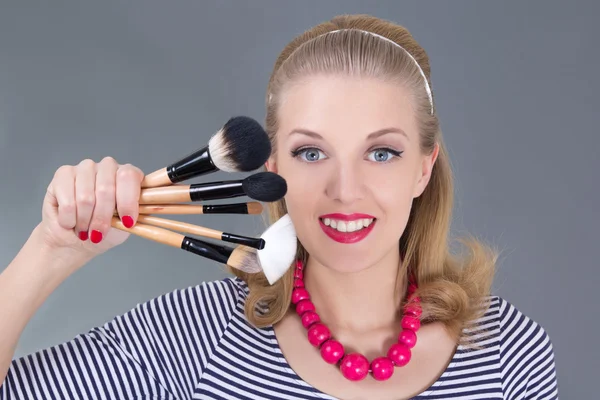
361, 301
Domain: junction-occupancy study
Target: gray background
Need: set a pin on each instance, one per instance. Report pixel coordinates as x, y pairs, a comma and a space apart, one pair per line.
517, 90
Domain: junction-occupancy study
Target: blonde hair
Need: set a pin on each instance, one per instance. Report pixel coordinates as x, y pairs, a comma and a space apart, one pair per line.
451, 287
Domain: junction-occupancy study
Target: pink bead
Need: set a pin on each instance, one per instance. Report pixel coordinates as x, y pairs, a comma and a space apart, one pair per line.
304, 306
309, 318
298, 274
354, 367
298, 283
415, 300
299, 294
413, 309
332, 351
399, 354
407, 338
318, 333
410, 322
382, 368
299, 264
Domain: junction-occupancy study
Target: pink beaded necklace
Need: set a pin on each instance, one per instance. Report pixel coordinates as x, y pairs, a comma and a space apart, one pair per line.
355, 366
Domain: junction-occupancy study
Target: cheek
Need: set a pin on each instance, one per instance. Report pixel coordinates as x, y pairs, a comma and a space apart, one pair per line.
304, 187
392, 191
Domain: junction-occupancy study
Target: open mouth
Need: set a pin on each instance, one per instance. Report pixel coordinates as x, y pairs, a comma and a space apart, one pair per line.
347, 226
347, 230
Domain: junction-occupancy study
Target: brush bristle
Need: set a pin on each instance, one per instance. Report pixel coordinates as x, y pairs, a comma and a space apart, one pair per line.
242, 145
280, 249
265, 186
245, 259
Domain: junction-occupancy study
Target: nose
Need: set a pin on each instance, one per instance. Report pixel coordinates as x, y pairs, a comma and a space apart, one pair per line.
345, 183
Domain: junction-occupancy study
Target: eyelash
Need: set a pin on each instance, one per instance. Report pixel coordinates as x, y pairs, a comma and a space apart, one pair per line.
295, 153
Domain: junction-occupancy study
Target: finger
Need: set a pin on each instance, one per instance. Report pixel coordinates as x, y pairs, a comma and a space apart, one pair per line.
85, 197
105, 199
129, 181
63, 190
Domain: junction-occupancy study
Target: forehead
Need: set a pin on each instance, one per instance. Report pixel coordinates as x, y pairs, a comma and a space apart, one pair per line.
334, 105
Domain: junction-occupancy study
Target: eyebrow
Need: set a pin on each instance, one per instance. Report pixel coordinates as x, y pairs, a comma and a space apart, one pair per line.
372, 135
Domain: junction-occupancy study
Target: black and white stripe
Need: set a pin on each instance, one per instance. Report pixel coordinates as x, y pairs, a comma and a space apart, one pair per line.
186, 345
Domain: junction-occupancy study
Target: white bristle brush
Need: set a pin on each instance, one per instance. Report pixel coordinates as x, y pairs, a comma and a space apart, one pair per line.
274, 259
280, 249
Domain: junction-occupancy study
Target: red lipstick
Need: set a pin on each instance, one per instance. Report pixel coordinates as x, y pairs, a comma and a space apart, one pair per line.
346, 237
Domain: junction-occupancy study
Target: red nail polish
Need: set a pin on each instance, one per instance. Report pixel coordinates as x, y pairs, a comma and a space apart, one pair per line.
96, 236
127, 221
83, 235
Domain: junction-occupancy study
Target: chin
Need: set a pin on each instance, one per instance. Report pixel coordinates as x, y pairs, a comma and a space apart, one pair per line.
348, 262
347, 252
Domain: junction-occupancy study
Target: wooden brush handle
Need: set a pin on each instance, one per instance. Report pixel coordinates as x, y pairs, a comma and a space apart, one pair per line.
217, 253
173, 209
180, 226
165, 194
252, 208
176, 209
156, 178
154, 233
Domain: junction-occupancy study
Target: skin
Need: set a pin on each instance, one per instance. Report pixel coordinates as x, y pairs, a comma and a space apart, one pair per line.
344, 169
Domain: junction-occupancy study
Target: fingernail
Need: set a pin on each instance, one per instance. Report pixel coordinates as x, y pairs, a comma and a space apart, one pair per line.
127, 221
96, 236
83, 235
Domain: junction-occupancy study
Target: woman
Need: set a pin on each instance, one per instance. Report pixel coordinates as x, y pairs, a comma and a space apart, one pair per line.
375, 307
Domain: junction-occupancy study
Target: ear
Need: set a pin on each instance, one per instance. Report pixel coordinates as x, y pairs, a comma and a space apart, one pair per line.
271, 165
426, 169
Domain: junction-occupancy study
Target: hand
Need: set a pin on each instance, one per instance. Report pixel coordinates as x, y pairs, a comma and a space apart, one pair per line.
80, 202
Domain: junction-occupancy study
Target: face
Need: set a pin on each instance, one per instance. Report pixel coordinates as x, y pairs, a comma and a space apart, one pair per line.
349, 151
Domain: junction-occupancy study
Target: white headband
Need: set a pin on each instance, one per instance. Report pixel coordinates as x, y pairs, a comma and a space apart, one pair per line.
427, 88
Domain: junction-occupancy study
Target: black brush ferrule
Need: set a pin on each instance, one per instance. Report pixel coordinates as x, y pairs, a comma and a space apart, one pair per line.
236, 208
257, 243
216, 190
214, 252
195, 164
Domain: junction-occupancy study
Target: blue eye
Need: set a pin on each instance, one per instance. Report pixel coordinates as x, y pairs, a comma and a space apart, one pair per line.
383, 155
309, 154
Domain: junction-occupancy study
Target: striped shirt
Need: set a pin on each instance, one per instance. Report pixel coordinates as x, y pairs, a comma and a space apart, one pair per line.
196, 343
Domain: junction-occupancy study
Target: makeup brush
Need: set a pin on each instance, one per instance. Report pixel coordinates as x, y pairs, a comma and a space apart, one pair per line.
241, 145
279, 253
249, 208
184, 227
261, 186
240, 257
276, 246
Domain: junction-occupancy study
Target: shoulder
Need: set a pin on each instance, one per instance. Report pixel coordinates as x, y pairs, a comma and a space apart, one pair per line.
511, 325
217, 298
207, 306
526, 354
518, 331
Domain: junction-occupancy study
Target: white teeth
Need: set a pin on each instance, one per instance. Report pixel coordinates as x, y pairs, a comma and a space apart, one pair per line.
348, 226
